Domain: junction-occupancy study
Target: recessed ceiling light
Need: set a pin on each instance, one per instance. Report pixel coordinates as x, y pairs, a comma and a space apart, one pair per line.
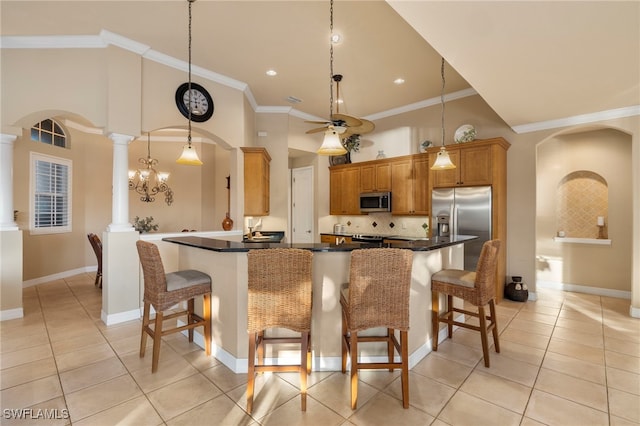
272, 73
336, 38
399, 80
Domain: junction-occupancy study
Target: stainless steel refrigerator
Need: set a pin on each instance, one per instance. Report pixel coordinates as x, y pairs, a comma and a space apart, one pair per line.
463, 211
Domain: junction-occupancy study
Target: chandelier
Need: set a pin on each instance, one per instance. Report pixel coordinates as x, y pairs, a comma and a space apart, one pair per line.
147, 181
189, 155
443, 161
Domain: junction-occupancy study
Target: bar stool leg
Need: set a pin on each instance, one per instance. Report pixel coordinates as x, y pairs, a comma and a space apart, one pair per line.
157, 339
492, 310
206, 314
251, 371
304, 351
190, 310
404, 344
145, 324
354, 370
435, 319
483, 335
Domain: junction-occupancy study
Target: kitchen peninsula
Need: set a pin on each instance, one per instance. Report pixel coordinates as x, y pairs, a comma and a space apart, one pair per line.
226, 263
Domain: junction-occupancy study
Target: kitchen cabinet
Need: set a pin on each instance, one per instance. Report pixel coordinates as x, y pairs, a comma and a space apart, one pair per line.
344, 187
473, 166
410, 193
256, 181
375, 176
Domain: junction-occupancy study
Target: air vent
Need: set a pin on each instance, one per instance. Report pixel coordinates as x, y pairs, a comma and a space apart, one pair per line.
293, 100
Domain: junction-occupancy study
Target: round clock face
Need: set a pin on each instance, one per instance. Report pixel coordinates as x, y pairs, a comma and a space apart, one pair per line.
201, 102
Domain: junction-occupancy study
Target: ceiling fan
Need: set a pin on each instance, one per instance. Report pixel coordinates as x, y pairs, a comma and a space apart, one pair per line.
345, 125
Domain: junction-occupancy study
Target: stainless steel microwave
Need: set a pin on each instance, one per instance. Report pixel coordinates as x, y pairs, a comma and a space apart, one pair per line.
375, 202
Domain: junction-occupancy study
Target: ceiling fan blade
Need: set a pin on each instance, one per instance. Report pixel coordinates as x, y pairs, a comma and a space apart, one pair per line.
316, 130
318, 122
366, 127
349, 120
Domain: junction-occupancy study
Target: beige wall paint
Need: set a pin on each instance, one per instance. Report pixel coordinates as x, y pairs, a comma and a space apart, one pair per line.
607, 153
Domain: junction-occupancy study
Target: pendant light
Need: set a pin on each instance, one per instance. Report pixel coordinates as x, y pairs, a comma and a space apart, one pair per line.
443, 161
331, 145
189, 155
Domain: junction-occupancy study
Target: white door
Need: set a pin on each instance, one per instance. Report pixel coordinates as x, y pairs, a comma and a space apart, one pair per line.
302, 205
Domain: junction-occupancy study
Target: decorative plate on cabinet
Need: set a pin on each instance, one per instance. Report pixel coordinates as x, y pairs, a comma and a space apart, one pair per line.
465, 133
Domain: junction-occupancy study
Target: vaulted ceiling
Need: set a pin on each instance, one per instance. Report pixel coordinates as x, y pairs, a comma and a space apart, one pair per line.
530, 61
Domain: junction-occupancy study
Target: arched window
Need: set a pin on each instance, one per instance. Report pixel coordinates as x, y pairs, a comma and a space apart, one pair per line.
49, 132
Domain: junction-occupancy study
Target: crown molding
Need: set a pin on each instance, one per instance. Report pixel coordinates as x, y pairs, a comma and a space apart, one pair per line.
422, 104
578, 119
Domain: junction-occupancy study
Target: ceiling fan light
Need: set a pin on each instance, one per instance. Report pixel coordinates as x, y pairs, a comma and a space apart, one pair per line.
443, 161
331, 144
189, 156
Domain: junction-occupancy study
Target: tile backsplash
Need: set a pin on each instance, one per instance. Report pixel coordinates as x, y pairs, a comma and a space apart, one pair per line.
384, 224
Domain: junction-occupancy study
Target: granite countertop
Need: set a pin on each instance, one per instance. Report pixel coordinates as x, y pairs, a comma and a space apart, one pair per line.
232, 246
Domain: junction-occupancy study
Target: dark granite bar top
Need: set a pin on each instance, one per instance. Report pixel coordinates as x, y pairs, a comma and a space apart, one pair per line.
223, 246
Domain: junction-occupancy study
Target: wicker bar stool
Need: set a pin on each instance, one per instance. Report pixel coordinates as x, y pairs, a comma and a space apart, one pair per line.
477, 288
162, 291
280, 296
377, 296
96, 244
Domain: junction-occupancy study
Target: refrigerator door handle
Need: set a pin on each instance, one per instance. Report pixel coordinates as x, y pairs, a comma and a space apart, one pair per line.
453, 214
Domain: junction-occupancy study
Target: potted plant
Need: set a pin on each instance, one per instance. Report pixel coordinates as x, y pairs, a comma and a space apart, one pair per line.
144, 225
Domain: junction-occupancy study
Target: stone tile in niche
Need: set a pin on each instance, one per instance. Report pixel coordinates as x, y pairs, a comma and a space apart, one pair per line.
391, 225
374, 224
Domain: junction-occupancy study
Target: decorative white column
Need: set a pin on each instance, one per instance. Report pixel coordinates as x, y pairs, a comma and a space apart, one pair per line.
7, 223
120, 265
120, 201
10, 238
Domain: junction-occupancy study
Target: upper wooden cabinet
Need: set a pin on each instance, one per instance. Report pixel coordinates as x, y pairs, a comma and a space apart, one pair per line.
375, 176
256, 181
410, 193
344, 190
476, 162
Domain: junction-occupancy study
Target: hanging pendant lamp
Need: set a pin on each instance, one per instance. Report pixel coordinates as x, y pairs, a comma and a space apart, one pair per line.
331, 144
443, 161
189, 155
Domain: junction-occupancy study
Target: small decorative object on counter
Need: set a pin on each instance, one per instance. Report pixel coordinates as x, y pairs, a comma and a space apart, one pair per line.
381, 155
516, 290
425, 226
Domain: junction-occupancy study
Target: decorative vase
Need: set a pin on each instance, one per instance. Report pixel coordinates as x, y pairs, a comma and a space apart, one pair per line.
227, 223
381, 155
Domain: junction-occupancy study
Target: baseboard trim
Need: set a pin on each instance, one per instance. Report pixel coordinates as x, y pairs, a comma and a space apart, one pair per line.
58, 276
607, 292
9, 314
120, 317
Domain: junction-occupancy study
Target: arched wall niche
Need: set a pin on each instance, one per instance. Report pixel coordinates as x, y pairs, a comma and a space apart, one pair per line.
581, 198
570, 161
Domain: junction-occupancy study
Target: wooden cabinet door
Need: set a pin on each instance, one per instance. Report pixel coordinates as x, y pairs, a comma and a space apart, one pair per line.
256, 181
383, 176
344, 187
375, 177
402, 187
475, 166
351, 191
421, 189
445, 178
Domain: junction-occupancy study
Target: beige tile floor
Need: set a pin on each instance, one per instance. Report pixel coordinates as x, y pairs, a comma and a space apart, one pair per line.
566, 359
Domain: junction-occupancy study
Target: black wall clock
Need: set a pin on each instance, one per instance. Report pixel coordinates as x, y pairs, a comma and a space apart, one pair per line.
201, 102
